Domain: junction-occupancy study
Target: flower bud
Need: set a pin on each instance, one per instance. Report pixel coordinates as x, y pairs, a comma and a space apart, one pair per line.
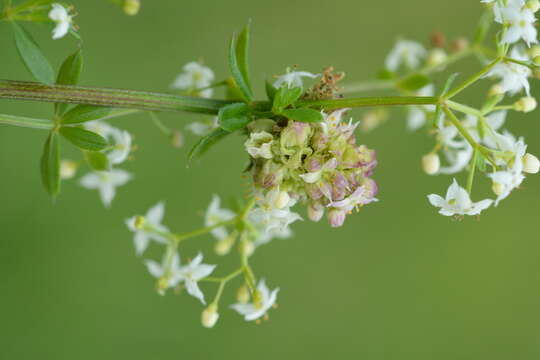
131, 7
68, 169
431, 163
177, 139
242, 295
525, 104
534, 51
296, 134
497, 188
336, 217
531, 164
210, 316
315, 211
224, 246
496, 90
436, 57
533, 5
248, 248
162, 285
259, 145
459, 45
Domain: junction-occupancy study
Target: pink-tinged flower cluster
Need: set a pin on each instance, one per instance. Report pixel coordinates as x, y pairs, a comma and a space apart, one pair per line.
319, 164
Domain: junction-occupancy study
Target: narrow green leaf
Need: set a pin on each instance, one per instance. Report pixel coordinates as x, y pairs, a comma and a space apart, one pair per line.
50, 164
234, 117
448, 84
83, 113
414, 82
285, 97
97, 160
84, 139
236, 72
206, 142
69, 74
303, 115
270, 91
242, 53
31, 55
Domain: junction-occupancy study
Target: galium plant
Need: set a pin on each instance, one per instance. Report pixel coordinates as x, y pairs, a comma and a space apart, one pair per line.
300, 142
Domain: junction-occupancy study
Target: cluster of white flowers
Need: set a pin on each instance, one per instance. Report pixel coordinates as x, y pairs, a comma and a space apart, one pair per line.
107, 181
170, 273
518, 18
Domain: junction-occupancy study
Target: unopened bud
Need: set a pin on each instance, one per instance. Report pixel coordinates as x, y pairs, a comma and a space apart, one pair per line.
68, 169
336, 217
531, 164
496, 90
497, 188
248, 248
534, 51
162, 285
459, 45
223, 246
282, 199
438, 39
296, 134
431, 163
131, 7
177, 139
436, 57
139, 222
533, 5
242, 295
210, 316
315, 211
525, 104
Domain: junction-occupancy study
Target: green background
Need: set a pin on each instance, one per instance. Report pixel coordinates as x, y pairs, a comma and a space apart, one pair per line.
397, 281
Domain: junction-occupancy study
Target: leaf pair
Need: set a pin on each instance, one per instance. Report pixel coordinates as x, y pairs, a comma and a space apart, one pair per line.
285, 97
239, 62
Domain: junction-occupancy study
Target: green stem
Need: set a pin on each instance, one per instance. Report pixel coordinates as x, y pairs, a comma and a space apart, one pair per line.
182, 237
369, 102
454, 120
472, 79
463, 108
164, 129
26, 122
114, 98
470, 179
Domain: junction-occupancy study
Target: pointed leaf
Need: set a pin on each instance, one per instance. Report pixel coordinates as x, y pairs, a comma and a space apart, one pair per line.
32, 56
69, 74
84, 139
206, 142
97, 160
303, 115
236, 72
242, 53
234, 117
285, 97
50, 164
83, 113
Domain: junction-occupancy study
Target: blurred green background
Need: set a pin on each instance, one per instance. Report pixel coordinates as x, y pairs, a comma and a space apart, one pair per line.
397, 282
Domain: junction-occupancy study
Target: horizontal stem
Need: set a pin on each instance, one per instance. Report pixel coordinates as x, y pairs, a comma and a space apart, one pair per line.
26, 122
115, 98
369, 101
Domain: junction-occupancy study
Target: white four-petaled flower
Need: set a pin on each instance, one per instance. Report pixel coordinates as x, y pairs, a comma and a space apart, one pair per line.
61, 17
193, 272
215, 214
194, 78
266, 299
293, 79
458, 202
152, 229
106, 183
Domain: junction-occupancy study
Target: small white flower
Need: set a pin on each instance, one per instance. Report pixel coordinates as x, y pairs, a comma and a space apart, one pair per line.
511, 178
259, 145
361, 196
119, 139
457, 159
313, 177
61, 17
215, 215
514, 76
195, 77
270, 218
520, 22
257, 309
166, 271
106, 183
405, 52
293, 79
202, 128
153, 219
458, 202
193, 272
498, 9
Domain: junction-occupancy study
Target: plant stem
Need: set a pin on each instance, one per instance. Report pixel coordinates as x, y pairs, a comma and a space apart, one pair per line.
26, 122
470, 179
182, 237
369, 102
472, 79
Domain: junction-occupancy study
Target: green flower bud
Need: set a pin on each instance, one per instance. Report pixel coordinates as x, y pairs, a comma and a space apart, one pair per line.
210, 316
131, 7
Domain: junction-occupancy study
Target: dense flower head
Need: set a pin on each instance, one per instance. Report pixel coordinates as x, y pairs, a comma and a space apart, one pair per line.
318, 164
